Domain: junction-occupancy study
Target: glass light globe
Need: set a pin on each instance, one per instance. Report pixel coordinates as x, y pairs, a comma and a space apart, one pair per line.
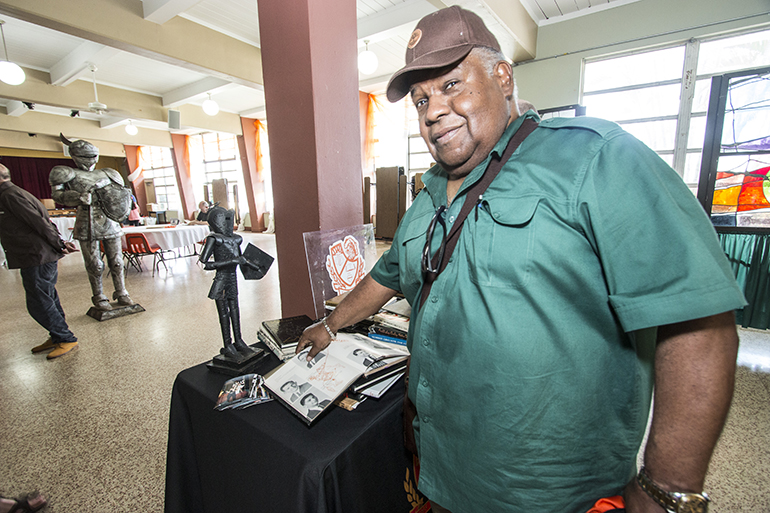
11, 73
367, 62
131, 129
210, 107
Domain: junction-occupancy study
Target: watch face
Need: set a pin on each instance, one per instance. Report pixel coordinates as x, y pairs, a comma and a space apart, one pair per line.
692, 503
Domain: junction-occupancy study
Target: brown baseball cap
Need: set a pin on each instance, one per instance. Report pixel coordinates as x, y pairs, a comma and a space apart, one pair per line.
440, 39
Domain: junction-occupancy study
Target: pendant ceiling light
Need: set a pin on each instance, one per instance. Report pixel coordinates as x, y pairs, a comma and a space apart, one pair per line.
10, 73
210, 107
131, 128
367, 60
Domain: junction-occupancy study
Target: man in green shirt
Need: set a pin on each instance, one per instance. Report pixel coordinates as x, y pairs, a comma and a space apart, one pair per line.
584, 274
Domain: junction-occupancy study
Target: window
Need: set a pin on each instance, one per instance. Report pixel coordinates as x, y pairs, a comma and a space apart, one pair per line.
734, 183
653, 96
214, 156
158, 165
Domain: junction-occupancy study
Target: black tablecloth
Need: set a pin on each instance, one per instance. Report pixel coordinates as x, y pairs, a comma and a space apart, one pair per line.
263, 459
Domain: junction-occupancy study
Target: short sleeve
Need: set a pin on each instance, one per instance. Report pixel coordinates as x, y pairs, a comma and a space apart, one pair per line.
385, 271
659, 251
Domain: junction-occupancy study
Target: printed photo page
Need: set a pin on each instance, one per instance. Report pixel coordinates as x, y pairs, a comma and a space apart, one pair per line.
309, 388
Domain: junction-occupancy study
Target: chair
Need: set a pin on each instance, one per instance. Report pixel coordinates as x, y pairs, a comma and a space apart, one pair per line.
138, 246
131, 260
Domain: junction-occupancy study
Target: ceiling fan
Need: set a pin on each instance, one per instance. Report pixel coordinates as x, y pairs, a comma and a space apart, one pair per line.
96, 106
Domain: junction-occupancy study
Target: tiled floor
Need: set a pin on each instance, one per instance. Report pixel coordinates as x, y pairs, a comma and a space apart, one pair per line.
89, 429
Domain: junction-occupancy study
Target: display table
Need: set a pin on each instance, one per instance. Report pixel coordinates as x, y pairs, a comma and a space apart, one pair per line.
263, 459
170, 237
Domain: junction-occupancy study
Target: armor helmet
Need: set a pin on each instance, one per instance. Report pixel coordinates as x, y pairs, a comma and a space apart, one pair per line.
85, 154
221, 220
82, 148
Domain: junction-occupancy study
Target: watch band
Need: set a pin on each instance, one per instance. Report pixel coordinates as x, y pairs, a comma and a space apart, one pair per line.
676, 502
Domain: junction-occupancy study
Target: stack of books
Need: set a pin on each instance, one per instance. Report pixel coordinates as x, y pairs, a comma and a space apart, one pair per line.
390, 324
282, 335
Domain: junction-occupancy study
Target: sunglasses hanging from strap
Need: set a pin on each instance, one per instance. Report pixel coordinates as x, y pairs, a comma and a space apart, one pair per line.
441, 258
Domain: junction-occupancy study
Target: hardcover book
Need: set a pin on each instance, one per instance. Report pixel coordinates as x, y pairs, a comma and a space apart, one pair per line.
281, 353
286, 332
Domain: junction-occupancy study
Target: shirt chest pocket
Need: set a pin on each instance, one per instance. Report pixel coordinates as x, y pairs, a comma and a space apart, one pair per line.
410, 254
500, 246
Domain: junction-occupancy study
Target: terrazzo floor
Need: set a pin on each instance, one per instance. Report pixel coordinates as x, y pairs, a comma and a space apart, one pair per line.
89, 429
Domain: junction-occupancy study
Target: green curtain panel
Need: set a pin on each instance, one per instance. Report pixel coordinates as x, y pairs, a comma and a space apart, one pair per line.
757, 313
749, 256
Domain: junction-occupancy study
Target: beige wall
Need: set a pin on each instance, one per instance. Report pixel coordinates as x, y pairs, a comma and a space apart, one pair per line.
555, 82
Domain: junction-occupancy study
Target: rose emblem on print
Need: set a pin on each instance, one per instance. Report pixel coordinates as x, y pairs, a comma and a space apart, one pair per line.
345, 264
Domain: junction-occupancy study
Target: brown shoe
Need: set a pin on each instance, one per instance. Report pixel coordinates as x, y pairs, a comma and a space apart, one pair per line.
45, 346
62, 349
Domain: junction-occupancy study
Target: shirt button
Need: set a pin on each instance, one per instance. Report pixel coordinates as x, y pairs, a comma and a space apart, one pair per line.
424, 382
452, 219
426, 419
425, 342
433, 299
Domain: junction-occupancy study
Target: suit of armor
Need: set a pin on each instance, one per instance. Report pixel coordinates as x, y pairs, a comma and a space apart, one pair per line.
76, 187
225, 247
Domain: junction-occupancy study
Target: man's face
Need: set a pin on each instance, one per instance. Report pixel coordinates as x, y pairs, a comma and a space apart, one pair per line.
463, 112
311, 401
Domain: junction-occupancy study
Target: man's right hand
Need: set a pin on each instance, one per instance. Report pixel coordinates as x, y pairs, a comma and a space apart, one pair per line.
69, 247
316, 337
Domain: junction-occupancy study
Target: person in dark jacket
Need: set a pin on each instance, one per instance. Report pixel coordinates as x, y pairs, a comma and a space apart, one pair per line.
33, 244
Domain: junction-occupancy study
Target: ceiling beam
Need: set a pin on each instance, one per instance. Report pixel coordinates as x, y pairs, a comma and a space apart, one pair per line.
120, 24
160, 11
112, 122
256, 113
76, 64
37, 89
184, 94
76, 128
15, 108
515, 20
375, 27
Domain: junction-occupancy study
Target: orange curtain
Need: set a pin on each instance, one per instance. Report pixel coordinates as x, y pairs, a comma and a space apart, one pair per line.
375, 107
261, 131
186, 157
140, 157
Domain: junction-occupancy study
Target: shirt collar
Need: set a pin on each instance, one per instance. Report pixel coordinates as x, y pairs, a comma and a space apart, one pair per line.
435, 178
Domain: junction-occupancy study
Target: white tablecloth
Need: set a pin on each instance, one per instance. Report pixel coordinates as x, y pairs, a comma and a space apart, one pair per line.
169, 236
65, 226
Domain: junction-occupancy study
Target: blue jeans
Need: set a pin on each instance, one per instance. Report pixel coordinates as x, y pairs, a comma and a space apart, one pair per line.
43, 300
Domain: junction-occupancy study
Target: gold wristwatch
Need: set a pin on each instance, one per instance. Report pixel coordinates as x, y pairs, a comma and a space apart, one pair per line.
676, 502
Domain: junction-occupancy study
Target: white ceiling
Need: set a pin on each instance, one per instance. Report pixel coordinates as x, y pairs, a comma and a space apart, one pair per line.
386, 24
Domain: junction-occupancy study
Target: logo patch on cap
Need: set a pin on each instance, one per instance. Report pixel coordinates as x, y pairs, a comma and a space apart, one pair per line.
414, 39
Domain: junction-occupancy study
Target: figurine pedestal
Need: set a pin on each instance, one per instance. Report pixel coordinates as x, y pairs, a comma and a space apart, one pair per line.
234, 367
117, 311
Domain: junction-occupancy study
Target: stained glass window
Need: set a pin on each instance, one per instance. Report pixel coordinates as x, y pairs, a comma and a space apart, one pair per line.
742, 185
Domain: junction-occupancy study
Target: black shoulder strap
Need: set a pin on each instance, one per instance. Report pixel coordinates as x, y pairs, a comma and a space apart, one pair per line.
473, 194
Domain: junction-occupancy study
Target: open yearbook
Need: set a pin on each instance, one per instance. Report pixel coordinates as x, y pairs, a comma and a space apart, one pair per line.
310, 388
